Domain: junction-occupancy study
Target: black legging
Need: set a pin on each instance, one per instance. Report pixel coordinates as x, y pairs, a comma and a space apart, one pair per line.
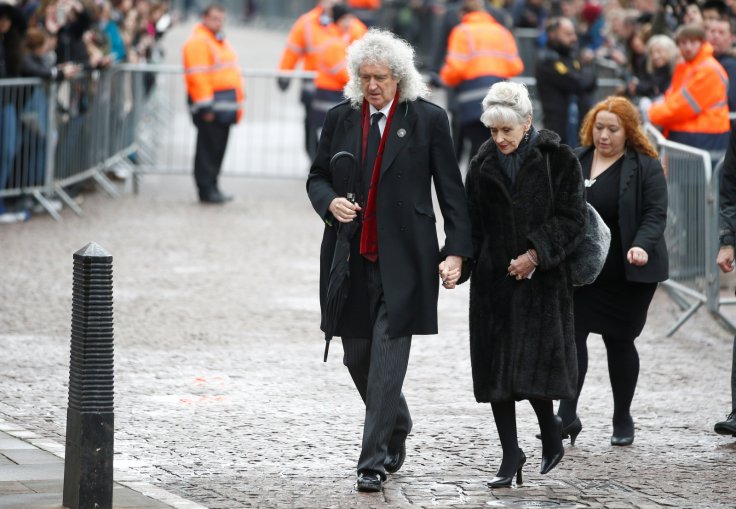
623, 370
504, 413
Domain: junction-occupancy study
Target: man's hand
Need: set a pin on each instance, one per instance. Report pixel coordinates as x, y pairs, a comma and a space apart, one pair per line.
450, 270
725, 259
208, 117
343, 210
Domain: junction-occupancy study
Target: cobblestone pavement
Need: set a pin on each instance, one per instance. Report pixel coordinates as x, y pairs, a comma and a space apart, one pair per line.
223, 399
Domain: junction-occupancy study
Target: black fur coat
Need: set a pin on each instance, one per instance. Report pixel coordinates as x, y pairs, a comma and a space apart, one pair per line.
521, 332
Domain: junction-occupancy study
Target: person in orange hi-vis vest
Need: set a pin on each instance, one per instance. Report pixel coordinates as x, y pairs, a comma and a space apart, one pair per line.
215, 93
695, 106
480, 52
310, 35
332, 71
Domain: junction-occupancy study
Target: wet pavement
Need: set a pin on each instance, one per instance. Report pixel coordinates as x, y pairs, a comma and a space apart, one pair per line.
222, 398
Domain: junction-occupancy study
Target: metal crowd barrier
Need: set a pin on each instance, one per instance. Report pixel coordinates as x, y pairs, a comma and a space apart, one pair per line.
692, 229
267, 142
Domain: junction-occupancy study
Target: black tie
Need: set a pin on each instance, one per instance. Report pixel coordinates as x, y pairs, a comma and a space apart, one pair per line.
371, 150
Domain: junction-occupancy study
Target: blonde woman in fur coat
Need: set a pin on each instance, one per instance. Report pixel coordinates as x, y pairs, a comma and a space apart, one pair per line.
522, 342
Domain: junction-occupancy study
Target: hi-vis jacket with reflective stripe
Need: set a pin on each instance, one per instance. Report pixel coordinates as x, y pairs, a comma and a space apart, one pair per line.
480, 52
480, 46
310, 36
213, 79
695, 107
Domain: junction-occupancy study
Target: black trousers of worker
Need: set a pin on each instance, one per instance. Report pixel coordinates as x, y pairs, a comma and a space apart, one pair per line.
211, 144
377, 366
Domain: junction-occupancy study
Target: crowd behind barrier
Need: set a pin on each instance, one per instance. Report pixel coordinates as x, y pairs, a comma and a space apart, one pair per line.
132, 119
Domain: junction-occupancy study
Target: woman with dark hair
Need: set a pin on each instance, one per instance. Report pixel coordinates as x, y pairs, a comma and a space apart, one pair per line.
626, 184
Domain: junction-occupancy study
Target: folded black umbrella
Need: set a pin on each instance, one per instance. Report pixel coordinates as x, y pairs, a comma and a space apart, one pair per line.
342, 166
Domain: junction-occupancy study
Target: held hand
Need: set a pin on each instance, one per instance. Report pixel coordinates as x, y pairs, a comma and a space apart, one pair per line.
208, 117
637, 256
343, 210
725, 259
520, 267
450, 270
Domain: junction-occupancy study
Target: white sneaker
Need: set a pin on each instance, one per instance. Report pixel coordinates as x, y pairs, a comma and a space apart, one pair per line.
14, 217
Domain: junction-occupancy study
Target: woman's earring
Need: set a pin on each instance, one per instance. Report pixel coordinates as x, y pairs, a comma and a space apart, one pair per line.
526, 135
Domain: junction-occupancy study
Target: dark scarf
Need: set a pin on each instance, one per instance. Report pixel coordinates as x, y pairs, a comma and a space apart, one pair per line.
512, 162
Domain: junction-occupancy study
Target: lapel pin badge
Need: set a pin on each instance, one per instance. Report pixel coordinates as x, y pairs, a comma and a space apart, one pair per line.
401, 133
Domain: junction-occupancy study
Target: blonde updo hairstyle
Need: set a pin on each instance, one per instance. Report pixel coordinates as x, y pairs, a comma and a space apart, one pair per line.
506, 103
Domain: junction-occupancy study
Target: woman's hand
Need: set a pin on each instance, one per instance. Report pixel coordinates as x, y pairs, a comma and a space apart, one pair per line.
450, 269
637, 256
521, 266
725, 258
343, 210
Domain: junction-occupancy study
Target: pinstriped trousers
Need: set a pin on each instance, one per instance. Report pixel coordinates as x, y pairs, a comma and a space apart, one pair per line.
377, 366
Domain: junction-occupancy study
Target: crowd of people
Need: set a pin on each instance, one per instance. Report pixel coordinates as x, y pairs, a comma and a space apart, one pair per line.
61, 40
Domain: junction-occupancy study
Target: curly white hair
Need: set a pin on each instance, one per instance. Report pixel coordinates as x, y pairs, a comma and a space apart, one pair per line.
384, 48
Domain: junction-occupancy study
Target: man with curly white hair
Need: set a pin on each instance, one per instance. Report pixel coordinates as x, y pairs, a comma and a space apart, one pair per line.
402, 144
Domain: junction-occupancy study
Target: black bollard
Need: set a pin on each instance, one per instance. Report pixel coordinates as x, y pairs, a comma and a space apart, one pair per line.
88, 475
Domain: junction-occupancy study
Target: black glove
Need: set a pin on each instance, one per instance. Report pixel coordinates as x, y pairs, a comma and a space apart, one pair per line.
283, 83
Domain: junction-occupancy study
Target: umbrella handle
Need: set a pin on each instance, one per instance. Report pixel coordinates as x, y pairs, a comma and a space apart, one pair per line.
351, 173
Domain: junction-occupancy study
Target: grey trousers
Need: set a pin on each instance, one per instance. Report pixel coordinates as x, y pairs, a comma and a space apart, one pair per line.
377, 366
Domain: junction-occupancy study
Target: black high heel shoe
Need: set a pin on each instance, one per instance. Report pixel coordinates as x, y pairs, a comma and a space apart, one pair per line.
623, 434
570, 431
505, 482
550, 462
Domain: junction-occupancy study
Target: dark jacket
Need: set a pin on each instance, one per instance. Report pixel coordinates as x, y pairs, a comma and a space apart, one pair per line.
642, 214
418, 152
522, 332
563, 79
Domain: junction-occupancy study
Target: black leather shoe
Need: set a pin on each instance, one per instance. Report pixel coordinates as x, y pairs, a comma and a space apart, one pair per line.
505, 482
727, 427
623, 433
394, 460
369, 482
214, 197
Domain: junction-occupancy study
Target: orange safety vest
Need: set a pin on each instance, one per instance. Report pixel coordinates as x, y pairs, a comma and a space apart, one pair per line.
365, 4
697, 99
332, 68
480, 46
212, 76
309, 37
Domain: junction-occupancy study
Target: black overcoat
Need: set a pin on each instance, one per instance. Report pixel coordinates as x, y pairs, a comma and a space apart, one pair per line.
642, 214
418, 151
522, 332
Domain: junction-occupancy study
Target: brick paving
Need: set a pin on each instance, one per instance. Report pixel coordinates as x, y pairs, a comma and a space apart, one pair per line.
222, 397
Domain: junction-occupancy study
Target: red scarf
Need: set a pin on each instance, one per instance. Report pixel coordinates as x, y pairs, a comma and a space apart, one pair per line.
369, 234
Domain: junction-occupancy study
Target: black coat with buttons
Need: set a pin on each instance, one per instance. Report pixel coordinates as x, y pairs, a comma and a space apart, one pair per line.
418, 151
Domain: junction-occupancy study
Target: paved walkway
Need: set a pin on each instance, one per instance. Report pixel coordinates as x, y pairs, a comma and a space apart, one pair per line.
222, 398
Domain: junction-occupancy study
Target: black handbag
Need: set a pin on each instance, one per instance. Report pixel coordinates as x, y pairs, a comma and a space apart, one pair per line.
588, 258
